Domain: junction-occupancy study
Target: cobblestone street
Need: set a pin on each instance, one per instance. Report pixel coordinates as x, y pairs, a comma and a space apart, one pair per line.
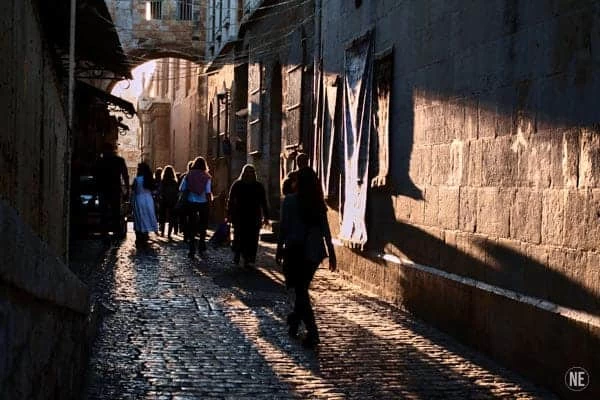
173, 328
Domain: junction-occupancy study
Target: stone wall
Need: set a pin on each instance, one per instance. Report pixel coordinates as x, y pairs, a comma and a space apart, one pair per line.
186, 132
144, 40
33, 132
172, 111
156, 138
43, 306
44, 330
495, 147
268, 39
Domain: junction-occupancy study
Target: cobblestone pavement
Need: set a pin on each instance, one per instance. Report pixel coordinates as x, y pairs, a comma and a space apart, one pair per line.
174, 328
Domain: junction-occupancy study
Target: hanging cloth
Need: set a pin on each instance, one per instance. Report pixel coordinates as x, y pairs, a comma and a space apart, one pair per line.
357, 121
381, 119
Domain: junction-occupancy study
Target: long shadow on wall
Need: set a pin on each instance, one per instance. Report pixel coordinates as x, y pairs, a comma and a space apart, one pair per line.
477, 257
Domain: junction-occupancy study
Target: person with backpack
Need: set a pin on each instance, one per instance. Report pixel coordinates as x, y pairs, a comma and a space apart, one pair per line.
196, 188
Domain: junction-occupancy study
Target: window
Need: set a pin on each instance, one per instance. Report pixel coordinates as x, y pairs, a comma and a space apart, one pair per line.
220, 15
213, 25
227, 14
153, 9
184, 10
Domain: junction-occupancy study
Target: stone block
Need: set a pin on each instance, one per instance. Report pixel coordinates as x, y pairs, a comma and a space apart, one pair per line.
539, 159
592, 280
467, 214
440, 165
402, 208
487, 120
493, 211
425, 170
570, 158
576, 212
475, 163
499, 162
553, 213
535, 270
414, 164
556, 159
526, 216
471, 119
454, 120
431, 210
478, 255
593, 221
448, 207
589, 159
459, 163
417, 208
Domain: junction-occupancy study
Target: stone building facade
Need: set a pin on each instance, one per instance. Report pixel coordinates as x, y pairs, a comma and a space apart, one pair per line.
488, 224
160, 28
260, 58
172, 121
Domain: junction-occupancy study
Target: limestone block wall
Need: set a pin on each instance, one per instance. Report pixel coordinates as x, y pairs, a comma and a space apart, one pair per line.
144, 39
495, 140
33, 131
43, 306
494, 194
44, 333
186, 130
268, 39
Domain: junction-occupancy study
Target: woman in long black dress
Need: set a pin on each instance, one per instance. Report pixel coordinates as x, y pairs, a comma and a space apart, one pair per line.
247, 211
304, 241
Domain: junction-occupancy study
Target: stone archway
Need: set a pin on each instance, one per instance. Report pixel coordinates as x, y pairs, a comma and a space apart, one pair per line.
173, 32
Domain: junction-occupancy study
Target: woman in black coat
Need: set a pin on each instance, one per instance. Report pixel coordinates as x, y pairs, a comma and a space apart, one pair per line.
304, 241
247, 211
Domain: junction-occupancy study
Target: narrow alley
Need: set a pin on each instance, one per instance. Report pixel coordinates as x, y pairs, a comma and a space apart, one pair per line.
439, 161
172, 328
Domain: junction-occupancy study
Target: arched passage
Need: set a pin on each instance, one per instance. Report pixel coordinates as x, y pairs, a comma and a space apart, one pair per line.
167, 129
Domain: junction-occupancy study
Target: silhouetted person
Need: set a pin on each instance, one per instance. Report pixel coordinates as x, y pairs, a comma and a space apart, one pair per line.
111, 174
247, 210
197, 186
182, 213
304, 232
143, 205
168, 190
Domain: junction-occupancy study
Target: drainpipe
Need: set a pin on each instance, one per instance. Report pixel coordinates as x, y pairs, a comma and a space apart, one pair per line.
317, 57
317, 44
70, 141
72, 62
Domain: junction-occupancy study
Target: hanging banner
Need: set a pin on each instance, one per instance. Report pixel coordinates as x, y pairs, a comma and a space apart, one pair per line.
381, 119
357, 120
329, 133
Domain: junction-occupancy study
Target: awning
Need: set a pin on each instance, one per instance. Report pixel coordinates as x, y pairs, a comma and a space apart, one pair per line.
96, 40
121, 104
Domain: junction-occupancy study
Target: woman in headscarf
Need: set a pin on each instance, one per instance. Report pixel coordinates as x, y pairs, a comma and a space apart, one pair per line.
196, 185
304, 241
247, 211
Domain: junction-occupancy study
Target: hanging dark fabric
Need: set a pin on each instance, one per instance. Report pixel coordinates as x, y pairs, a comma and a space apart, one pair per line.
381, 119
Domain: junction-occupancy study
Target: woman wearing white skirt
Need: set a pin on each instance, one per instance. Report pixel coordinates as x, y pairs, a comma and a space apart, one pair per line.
143, 205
